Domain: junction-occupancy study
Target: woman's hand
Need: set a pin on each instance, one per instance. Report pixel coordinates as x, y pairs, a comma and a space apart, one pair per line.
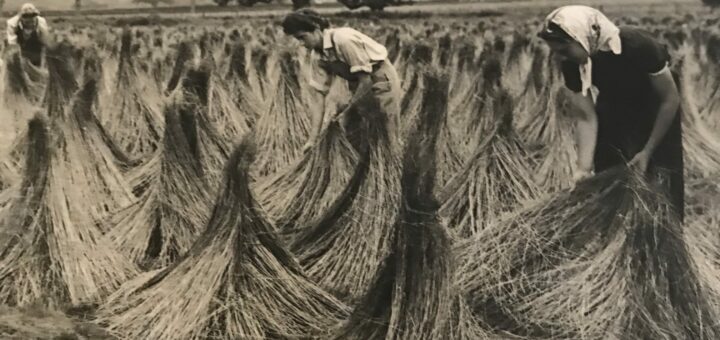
340, 113
582, 174
640, 161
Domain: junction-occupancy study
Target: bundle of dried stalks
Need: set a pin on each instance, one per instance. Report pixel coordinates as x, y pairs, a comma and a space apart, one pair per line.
606, 259
133, 110
52, 252
345, 246
237, 282
283, 129
411, 296
163, 224
294, 197
498, 177
700, 144
183, 58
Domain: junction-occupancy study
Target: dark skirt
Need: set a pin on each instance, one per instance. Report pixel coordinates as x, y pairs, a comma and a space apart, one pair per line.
620, 138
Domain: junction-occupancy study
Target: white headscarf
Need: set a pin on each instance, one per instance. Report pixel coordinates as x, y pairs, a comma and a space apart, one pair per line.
592, 29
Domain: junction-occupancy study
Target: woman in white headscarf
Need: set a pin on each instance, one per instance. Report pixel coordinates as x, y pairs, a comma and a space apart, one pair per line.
636, 116
28, 31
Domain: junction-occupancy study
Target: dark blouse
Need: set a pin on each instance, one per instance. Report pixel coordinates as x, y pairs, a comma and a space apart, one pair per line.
627, 107
626, 99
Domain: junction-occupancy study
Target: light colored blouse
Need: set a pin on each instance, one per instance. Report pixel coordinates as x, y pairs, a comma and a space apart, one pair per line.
357, 51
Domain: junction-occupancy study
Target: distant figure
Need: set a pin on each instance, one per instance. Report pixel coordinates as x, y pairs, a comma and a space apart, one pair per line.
28, 31
636, 117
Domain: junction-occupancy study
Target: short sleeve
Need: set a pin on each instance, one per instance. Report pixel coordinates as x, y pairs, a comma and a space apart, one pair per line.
11, 35
43, 25
351, 50
646, 53
571, 75
43, 28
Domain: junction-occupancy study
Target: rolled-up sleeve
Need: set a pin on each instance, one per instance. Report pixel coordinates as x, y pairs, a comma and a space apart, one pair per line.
352, 51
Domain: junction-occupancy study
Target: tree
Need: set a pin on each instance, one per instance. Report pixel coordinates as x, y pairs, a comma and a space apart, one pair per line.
375, 5
153, 3
298, 4
78, 5
711, 3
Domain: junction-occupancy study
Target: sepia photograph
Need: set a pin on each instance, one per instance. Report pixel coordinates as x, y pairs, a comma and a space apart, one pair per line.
360, 170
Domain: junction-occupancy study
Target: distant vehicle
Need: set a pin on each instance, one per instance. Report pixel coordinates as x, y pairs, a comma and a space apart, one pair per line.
247, 3
375, 5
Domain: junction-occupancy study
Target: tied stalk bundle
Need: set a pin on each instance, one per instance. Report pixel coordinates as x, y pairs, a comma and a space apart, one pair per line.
237, 282
212, 150
51, 248
700, 144
412, 296
343, 249
606, 259
261, 78
301, 193
556, 161
546, 125
463, 78
85, 107
497, 179
283, 129
246, 100
411, 101
183, 60
163, 224
536, 99
133, 110
435, 99
470, 114
517, 62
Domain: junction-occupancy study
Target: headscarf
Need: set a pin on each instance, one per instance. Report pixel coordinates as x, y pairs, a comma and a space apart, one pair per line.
29, 9
592, 29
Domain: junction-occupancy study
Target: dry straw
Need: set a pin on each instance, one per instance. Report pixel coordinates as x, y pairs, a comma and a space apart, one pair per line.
302, 192
412, 296
51, 251
283, 129
208, 142
163, 224
237, 282
345, 246
700, 145
605, 260
497, 179
133, 109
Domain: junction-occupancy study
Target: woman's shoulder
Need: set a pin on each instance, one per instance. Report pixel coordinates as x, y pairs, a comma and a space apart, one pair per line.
635, 39
642, 47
